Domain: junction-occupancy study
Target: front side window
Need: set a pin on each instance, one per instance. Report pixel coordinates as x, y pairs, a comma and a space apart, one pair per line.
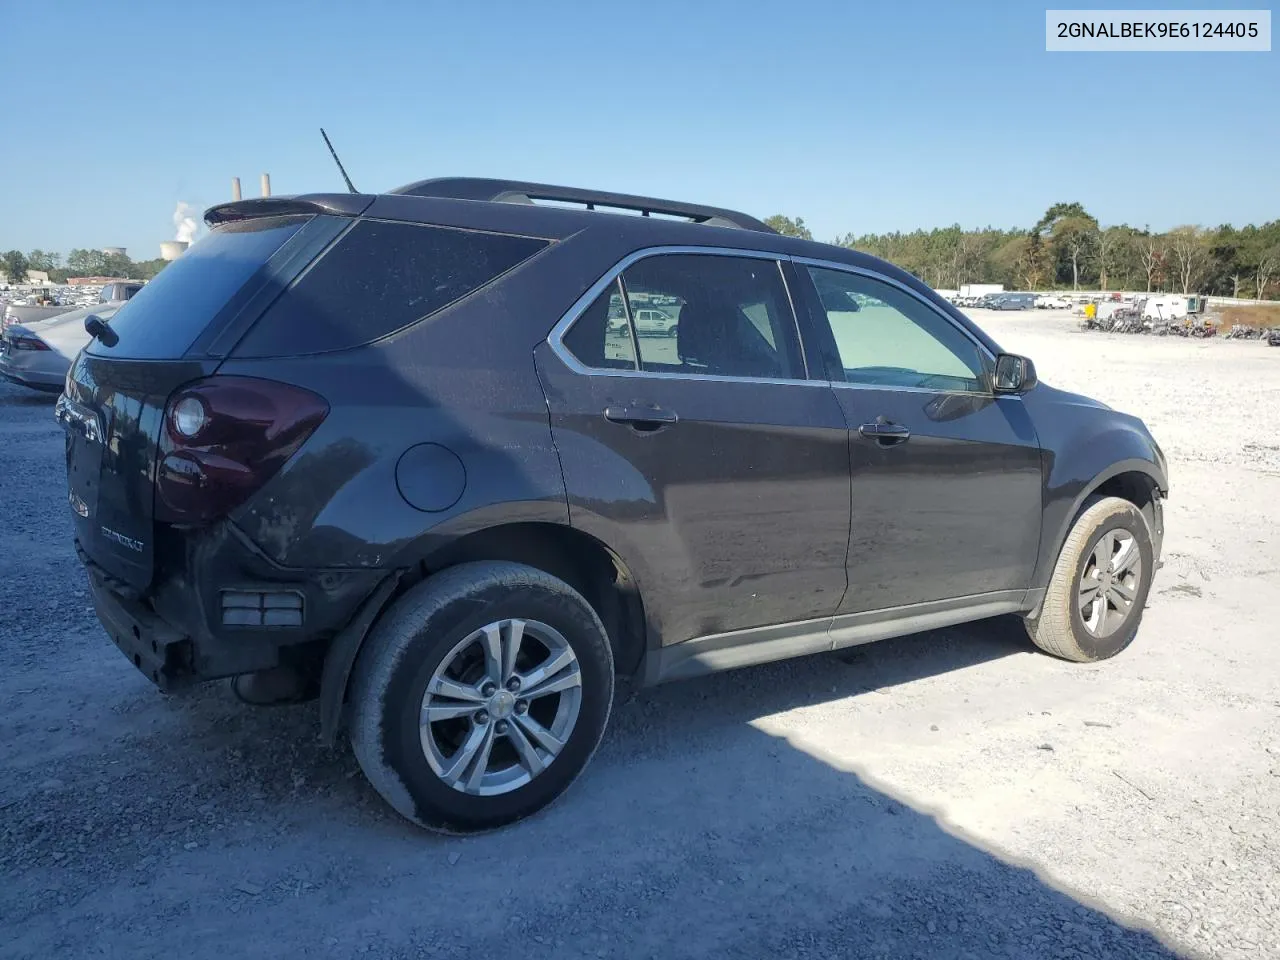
713, 316
886, 337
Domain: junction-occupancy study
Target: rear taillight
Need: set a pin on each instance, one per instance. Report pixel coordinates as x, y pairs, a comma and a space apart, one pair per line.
223, 438
22, 341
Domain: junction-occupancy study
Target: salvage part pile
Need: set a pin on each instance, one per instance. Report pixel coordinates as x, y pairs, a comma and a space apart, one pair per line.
1129, 321
1242, 331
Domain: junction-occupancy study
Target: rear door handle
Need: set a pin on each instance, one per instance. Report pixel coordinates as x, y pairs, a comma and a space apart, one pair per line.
640, 417
885, 433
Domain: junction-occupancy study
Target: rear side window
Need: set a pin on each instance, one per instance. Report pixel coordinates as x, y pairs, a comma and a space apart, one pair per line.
380, 277
717, 315
601, 336
167, 315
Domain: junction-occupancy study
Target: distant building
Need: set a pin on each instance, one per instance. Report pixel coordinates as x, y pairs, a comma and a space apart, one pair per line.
35, 278
94, 281
114, 251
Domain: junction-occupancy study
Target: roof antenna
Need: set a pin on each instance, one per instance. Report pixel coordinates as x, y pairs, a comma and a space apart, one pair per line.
341, 169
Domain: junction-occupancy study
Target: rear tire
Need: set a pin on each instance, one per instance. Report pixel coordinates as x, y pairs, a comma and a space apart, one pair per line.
1093, 607
423, 695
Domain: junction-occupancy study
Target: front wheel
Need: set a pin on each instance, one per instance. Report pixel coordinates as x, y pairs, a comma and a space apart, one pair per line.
1094, 603
480, 696
672, 331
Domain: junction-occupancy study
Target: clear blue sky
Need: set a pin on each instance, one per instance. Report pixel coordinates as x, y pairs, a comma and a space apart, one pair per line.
855, 116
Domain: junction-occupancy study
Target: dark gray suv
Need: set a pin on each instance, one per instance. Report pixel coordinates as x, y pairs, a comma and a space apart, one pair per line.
412, 454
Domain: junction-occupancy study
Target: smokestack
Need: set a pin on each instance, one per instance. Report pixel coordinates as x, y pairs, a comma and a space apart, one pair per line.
172, 249
235, 188
266, 184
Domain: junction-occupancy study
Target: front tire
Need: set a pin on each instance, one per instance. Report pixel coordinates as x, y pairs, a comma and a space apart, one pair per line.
480, 696
1093, 607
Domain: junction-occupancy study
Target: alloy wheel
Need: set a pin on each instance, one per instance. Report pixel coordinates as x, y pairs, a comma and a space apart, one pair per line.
500, 707
1109, 583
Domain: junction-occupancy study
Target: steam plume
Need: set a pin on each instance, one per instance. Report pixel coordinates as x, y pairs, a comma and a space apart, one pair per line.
184, 223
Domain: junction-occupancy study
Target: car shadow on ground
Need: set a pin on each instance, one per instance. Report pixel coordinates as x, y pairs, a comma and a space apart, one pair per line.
693, 833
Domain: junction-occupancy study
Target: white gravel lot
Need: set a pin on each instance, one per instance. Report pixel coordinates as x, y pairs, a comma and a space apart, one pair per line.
946, 795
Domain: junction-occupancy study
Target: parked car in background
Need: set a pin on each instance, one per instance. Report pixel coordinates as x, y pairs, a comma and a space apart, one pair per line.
825, 454
28, 310
1052, 302
37, 354
654, 322
120, 291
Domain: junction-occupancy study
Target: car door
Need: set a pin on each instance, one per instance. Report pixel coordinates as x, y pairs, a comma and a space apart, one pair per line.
707, 460
946, 492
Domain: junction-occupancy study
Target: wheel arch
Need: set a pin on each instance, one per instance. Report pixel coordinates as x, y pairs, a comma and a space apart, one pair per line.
1139, 481
588, 565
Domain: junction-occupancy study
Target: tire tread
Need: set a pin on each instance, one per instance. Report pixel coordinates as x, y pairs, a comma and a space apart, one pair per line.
389, 642
1051, 631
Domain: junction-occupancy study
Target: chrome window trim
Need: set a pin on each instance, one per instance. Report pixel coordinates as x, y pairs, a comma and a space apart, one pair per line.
928, 391
555, 339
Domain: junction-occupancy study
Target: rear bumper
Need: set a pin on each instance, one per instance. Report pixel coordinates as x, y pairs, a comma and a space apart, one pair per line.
161, 653
195, 625
43, 380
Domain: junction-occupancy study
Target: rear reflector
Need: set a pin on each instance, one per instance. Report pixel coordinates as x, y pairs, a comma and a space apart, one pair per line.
246, 608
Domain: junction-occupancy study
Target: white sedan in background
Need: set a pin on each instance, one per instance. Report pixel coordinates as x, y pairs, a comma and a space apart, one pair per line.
39, 353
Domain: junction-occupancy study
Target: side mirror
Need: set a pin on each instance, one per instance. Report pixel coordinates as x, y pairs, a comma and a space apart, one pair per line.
1014, 374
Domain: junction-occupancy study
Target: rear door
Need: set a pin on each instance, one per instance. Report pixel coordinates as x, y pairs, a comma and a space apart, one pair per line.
946, 476
118, 386
699, 450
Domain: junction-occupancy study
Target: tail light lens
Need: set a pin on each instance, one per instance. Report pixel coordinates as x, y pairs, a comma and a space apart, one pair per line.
21, 341
223, 438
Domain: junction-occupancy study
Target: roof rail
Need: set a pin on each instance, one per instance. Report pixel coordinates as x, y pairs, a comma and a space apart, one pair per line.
518, 191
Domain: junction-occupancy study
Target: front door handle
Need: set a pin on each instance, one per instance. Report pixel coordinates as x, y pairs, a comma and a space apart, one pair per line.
645, 419
885, 433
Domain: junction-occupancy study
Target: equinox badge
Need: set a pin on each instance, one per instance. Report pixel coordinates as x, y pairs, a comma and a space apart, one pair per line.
134, 545
79, 506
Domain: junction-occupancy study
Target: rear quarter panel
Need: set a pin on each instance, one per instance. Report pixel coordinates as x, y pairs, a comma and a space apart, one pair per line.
338, 503
463, 378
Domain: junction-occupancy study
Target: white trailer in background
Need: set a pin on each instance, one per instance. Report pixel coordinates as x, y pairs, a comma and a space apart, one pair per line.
976, 290
1166, 308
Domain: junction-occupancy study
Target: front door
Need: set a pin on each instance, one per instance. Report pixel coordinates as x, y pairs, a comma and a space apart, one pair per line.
694, 446
946, 476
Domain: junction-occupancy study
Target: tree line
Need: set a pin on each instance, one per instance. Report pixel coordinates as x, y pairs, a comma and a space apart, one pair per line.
1068, 248
79, 263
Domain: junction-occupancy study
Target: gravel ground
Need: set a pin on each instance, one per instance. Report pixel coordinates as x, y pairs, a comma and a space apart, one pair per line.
946, 795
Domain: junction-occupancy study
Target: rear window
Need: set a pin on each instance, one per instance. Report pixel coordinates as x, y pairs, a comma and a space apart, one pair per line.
380, 277
163, 319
